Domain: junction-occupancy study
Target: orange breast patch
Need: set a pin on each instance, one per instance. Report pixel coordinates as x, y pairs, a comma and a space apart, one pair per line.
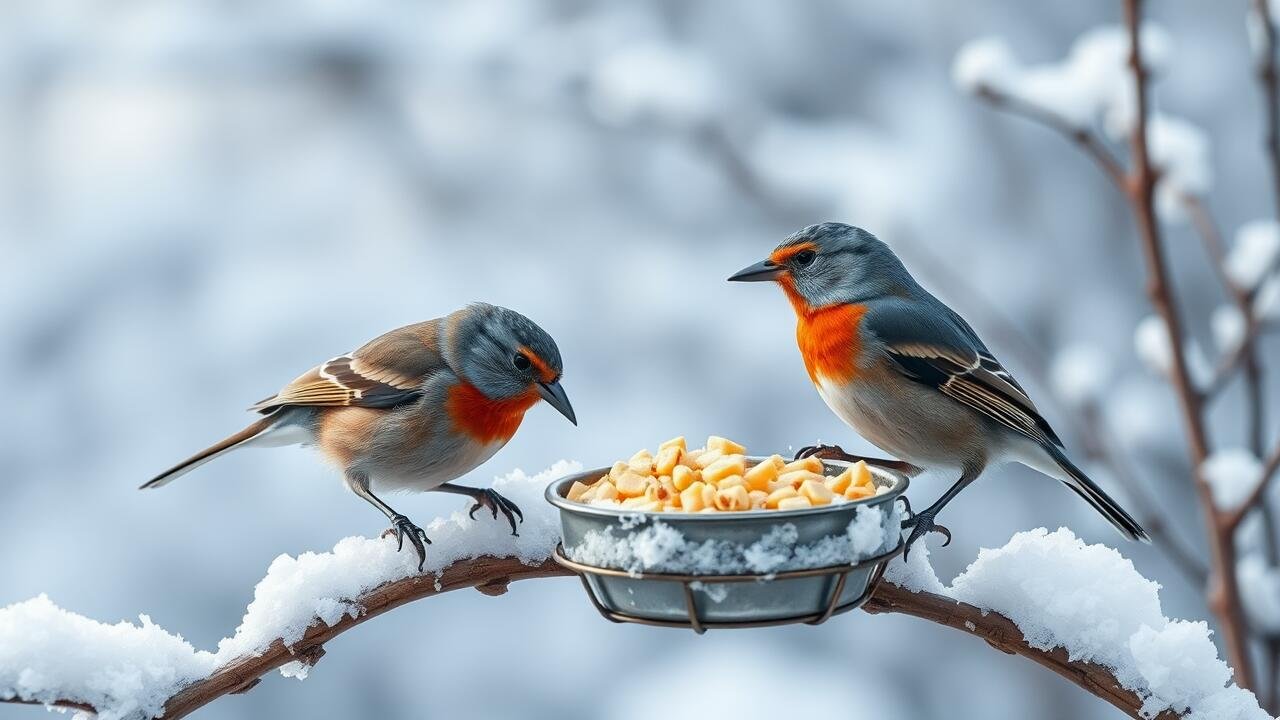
486, 420
829, 341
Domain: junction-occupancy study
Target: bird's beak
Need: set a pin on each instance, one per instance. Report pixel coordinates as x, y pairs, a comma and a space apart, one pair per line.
556, 398
761, 271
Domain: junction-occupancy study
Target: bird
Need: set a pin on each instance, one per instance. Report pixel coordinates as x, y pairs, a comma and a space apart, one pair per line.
909, 374
413, 409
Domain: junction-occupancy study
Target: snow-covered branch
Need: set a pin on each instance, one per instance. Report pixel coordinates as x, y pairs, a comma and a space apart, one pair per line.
1080, 610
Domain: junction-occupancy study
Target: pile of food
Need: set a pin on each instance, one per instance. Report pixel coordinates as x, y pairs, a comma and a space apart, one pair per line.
720, 478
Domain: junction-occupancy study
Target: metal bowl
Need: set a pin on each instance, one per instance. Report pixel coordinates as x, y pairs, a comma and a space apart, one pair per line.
741, 600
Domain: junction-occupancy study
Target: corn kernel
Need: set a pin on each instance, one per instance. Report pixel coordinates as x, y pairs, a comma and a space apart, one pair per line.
708, 457
759, 476
606, 491
857, 492
666, 460
641, 463
709, 495
675, 442
779, 495
733, 499
725, 445
724, 467
812, 464
691, 498
796, 477
861, 474
757, 499
817, 492
731, 481
690, 459
794, 503
618, 468
631, 484
682, 477
576, 490
841, 482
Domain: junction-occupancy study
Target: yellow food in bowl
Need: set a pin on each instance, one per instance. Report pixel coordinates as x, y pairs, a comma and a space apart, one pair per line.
719, 478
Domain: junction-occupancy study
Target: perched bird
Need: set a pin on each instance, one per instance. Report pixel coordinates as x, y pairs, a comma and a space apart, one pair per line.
908, 373
414, 409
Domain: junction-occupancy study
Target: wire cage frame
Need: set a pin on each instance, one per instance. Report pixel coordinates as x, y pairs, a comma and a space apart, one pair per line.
833, 606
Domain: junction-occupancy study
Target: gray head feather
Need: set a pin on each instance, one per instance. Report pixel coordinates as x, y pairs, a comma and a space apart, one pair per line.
847, 265
499, 350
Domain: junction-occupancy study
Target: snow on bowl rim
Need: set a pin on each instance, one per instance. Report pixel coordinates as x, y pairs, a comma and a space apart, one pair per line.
555, 494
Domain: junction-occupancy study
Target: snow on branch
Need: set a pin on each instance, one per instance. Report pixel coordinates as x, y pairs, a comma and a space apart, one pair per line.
1080, 610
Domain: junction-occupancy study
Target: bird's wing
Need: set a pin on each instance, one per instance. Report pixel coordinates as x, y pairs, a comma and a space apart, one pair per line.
932, 345
386, 372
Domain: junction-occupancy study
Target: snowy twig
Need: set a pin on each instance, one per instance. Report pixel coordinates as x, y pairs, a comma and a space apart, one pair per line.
1224, 597
1083, 137
491, 576
1002, 634
1257, 495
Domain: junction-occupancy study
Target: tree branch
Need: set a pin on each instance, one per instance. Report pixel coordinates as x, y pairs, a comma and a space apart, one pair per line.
491, 576
1082, 137
1224, 596
1259, 491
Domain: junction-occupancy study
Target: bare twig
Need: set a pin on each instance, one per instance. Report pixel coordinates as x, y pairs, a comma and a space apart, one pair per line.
490, 575
1224, 596
1270, 81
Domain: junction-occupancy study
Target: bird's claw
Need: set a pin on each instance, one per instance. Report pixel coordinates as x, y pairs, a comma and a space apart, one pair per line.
403, 527
921, 524
495, 502
824, 452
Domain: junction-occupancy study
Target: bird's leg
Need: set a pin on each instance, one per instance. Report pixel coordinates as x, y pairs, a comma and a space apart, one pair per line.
401, 525
922, 523
835, 452
487, 498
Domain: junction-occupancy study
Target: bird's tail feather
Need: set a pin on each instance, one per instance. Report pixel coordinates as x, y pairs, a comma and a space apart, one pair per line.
222, 447
1102, 502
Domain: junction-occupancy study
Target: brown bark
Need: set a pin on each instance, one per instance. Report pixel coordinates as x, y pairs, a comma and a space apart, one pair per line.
491, 576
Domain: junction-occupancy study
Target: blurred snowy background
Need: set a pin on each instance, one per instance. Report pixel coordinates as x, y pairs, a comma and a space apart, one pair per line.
200, 200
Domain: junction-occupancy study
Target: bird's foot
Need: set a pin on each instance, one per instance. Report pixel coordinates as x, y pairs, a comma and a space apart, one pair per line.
495, 502
402, 527
825, 452
921, 524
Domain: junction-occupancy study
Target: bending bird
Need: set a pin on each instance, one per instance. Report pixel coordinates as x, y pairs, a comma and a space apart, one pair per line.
413, 409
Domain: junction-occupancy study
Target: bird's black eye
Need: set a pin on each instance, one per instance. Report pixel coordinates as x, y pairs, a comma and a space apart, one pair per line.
521, 362
805, 257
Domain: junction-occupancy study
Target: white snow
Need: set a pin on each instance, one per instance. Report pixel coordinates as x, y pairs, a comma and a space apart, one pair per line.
1090, 601
126, 670
1266, 303
1259, 591
1094, 83
1180, 151
1090, 81
653, 81
1080, 373
1152, 344
1229, 327
659, 547
986, 62
1255, 253
1232, 473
